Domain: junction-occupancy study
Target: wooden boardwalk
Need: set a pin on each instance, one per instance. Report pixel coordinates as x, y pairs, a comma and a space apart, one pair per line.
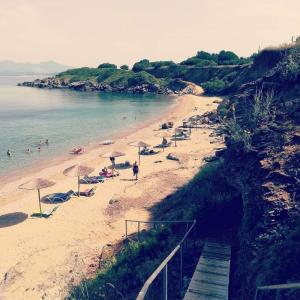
211, 277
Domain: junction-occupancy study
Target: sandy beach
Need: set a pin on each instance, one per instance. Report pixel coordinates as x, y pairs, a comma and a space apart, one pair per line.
41, 258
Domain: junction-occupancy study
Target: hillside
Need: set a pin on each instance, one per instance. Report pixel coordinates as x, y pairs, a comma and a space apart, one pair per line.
261, 122
16, 68
213, 71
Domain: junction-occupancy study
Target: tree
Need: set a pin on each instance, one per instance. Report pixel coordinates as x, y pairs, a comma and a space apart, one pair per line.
207, 56
141, 65
107, 66
124, 67
227, 58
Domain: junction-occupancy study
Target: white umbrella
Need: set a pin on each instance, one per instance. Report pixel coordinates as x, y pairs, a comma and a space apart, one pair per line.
77, 171
37, 184
139, 144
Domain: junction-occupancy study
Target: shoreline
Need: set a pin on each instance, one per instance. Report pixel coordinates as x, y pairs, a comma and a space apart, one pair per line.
38, 166
42, 258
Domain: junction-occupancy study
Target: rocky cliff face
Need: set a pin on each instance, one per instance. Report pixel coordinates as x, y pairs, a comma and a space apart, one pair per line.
262, 129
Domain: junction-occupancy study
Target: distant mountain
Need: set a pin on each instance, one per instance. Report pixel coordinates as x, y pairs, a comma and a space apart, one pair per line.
8, 67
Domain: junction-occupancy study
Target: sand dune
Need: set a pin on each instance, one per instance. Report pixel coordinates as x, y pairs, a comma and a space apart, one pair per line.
41, 258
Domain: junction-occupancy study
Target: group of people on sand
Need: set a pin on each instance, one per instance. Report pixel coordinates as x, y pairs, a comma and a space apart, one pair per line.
28, 150
106, 173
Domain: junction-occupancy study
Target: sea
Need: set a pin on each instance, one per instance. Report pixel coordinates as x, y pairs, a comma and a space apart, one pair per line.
68, 119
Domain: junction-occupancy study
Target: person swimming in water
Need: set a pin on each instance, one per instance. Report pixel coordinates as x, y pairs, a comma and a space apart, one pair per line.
28, 151
8, 152
47, 142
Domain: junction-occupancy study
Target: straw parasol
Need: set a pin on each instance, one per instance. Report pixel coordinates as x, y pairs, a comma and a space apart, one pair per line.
113, 154
139, 144
77, 171
37, 184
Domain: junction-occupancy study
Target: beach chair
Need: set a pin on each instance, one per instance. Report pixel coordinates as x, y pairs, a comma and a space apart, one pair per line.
163, 145
89, 192
109, 174
92, 179
148, 151
60, 197
45, 214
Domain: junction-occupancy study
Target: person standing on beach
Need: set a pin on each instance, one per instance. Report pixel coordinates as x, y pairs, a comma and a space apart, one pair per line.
47, 142
135, 169
112, 159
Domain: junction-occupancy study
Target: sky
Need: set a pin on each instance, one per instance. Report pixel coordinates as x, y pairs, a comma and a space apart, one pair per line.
89, 32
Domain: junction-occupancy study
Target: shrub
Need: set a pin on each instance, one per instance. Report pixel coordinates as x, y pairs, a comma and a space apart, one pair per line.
124, 67
214, 86
159, 64
141, 65
227, 58
107, 65
195, 61
207, 56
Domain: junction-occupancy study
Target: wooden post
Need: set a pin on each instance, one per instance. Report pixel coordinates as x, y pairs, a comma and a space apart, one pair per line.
139, 155
78, 182
40, 201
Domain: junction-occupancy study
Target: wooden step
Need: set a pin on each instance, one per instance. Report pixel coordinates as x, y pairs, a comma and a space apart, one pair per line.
210, 280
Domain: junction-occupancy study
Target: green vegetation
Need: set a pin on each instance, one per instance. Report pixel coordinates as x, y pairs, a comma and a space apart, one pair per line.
213, 86
203, 59
124, 67
141, 65
130, 79
107, 65
128, 269
214, 71
81, 74
112, 76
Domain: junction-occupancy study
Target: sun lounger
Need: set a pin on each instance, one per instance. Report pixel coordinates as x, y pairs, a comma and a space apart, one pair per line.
60, 197
109, 174
89, 192
92, 179
181, 138
45, 214
148, 152
163, 145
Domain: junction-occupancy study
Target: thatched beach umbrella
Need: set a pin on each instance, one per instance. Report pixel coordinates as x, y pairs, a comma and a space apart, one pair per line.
37, 184
113, 154
77, 171
139, 144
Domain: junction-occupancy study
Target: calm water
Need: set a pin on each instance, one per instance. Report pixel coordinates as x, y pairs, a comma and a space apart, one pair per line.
66, 118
